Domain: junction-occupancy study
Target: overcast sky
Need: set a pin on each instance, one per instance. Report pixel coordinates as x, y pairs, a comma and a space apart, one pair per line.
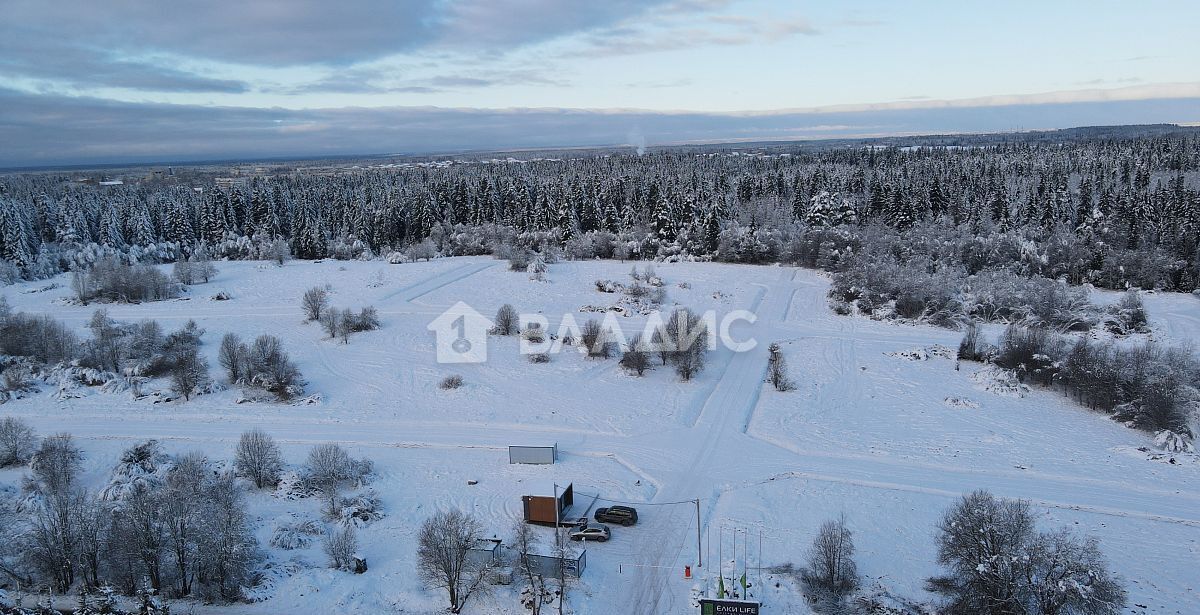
122, 80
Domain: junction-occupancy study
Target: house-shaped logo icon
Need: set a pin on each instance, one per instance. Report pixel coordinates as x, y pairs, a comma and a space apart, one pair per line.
461, 334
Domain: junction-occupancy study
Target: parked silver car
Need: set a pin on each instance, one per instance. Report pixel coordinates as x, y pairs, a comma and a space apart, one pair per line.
591, 531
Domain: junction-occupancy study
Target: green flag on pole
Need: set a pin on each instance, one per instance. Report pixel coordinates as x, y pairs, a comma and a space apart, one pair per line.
721, 586
744, 583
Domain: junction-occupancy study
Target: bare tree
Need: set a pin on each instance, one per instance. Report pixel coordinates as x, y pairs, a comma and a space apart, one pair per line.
331, 321
183, 272
233, 355
998, 563
258, 458
596, 340
443, 556
535, 593
506, 321
189, 373
182, 502
279, 251
564, 552
17, 442
635, 358
57, 463
1065, 574
831, 565
340, 546
227, 551
689, 336
314, 302
328, 467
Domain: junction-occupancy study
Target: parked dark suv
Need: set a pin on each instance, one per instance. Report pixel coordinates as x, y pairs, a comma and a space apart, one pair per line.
621, 515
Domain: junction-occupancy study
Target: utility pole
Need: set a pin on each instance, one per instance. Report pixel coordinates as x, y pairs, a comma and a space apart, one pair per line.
699, 552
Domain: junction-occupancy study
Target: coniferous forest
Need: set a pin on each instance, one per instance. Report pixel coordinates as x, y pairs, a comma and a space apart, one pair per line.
1112, 209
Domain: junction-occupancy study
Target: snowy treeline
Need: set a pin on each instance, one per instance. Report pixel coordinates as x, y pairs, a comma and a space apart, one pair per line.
1112, 211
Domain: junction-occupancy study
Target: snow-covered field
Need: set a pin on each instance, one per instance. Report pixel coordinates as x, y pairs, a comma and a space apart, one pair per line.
882, 427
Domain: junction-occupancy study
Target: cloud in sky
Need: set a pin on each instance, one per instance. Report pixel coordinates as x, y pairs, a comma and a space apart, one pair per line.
749, 68
50, 130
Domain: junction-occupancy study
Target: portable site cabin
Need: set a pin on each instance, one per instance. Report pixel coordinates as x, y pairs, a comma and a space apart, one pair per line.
533, 454
485, 551
544, 508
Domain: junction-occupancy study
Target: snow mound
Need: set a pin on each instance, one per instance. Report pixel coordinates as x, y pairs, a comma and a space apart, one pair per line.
291, 535
270, 577
1002, 382
1172, 442
937, 351
960, 402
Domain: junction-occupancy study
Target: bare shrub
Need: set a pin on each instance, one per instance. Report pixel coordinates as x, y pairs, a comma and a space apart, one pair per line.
635, 358
1030, 352
685, 337
258, 458
831, 565
111, 280
506, 322
17, 442
367, 319
314, 302
453, 381
56, 463
972, 347
269, 367
596, 340
341, 545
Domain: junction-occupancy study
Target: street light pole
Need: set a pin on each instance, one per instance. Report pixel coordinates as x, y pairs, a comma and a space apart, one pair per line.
699, 552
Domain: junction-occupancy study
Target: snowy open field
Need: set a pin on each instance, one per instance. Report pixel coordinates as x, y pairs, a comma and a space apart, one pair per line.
882, 427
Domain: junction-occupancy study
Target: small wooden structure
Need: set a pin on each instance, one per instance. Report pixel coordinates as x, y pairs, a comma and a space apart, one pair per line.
546, 509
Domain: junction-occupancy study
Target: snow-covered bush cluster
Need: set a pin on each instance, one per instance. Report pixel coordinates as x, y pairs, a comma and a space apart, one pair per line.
170, 525
262, 364
1146, 386
111, 280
